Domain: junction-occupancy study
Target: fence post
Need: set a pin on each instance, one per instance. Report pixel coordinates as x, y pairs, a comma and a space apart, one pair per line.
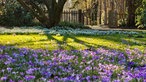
81, 16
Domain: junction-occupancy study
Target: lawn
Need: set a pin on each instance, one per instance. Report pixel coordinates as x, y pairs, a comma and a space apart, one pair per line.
72, 55
70, 42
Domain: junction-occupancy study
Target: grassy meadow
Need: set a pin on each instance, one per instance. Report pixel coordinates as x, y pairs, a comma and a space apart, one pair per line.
69, 42
72, 55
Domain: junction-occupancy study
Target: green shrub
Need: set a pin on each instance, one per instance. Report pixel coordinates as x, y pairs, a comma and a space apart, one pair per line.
14, 15
73, 25
122, 23
141, 16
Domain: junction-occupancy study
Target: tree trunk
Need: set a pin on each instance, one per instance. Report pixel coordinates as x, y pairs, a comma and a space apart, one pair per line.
105, 12
54, 19
132, 6
131, 14
55, 13
100, 11
131, 19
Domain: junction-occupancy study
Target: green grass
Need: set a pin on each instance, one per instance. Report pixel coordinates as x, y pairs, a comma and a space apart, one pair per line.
52, 42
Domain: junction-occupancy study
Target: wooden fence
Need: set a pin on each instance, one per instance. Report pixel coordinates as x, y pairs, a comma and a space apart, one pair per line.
72, 16
79, 16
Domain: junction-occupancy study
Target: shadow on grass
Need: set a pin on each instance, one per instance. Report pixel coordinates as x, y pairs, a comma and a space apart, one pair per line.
82, 42
117, 39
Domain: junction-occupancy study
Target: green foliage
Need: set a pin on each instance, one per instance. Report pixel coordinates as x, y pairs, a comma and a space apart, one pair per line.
73, 25
122, 23
141, 16
15, 15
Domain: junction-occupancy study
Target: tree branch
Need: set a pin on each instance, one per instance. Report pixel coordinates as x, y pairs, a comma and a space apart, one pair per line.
38, 16
39, 10
47, 4
27, 7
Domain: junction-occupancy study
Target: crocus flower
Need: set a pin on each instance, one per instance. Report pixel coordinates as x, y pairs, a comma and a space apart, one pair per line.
3, 78
9, 69
30, 71
29, 77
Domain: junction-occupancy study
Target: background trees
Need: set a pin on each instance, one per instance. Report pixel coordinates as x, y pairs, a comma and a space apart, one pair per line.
130, 13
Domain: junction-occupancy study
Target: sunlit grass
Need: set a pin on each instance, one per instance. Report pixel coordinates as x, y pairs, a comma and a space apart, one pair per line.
80, 42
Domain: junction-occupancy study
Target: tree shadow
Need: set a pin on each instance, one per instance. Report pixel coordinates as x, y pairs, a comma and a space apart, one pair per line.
87, 44
123, 40
63, 43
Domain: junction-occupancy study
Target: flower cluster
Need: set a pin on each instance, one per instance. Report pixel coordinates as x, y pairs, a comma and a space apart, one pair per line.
61, 31
21, 64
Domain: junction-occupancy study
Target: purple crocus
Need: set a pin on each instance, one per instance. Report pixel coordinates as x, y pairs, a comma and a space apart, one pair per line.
29, 77
9, 69
30, 71
105, 79
117, 81
3, 78
131, 64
